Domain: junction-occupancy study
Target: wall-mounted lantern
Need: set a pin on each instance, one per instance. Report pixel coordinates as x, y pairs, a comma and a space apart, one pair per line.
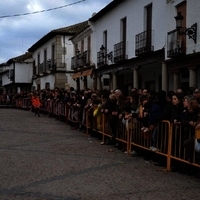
190, 32
104, 55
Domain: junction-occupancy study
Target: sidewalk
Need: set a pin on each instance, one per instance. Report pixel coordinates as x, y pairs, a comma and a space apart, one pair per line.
42, 159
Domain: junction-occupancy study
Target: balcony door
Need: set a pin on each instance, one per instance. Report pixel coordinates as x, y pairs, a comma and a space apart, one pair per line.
149, 26
124, 36
182, 8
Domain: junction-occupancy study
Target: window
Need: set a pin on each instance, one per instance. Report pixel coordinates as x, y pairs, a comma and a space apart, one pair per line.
82, 46
149, 26
47, 86
45, 60
105, 39
38, 62
53, 54
34, 68
123, 34
88, 47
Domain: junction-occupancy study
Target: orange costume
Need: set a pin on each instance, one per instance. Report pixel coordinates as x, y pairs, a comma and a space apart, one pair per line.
36, 102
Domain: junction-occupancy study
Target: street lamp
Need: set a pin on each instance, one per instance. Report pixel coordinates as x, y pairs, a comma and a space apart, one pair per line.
104, 55
190, 32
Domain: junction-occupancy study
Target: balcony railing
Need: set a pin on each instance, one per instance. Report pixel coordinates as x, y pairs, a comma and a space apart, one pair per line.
73, 63
41, 68
120, 52
175, 45
86, 58
80, 60
101, 60
45, 67
143, 43
76, 62
50, 65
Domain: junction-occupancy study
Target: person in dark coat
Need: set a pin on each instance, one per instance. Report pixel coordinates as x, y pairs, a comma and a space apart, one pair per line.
189, 120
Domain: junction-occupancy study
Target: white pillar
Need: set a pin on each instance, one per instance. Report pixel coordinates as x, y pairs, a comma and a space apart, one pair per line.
192, 78
114, 81
135, 78
95, 81
164, 77
176, 81
99, 84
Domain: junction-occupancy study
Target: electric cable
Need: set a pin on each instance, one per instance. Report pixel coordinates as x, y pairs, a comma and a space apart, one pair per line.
50, 9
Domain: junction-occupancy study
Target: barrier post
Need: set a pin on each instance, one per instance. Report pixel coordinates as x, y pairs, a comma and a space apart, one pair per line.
87, 131
169, 151
103, 127
128, 137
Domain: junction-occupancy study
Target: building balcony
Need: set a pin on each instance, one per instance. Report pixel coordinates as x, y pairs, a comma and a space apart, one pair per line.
41, 68
120, 52
73, 63
81, 60
101, 60
143, 43
175, 45
76, 63
50, 65
85, 57
44, 68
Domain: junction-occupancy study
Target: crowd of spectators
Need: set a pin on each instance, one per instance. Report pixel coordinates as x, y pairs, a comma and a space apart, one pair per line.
149, 107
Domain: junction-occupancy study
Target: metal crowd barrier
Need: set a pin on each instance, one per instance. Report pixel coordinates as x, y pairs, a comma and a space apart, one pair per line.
166, 137
7, 102
23, 103
178, 152
159, 137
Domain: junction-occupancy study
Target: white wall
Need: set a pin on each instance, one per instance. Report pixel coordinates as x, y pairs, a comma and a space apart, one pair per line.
66, 58
71, 82
5, 80
40, 50
23, 72
46, 79
134, 11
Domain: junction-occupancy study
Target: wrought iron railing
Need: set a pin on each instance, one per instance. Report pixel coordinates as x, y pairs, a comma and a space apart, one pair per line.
120, 51
80, 60
143, 43
101, 60
174, 44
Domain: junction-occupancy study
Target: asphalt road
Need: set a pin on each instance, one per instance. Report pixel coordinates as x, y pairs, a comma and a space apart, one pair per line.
42, 159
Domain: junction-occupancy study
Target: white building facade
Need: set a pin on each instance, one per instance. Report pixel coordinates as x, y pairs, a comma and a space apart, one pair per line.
16, 74
82, 62
135, 38
52, 58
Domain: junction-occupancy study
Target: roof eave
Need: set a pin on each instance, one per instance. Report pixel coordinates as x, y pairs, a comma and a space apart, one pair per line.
105, 10
45, 39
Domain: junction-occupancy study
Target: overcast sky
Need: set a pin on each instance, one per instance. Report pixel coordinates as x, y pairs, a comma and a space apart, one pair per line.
18, 34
